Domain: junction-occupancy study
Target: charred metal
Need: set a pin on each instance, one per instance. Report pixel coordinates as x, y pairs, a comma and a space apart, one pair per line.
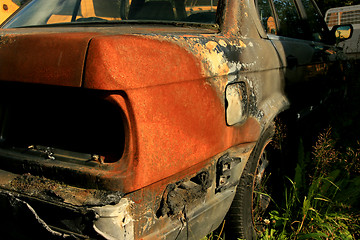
225, 174
75, 213
179, 196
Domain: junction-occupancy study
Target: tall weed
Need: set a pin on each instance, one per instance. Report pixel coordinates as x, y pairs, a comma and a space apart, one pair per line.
322, 202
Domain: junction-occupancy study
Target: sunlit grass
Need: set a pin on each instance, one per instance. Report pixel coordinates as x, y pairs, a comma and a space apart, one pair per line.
320, 204
322, 201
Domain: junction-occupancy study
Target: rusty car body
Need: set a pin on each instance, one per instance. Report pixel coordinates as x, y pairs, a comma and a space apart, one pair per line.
145, 119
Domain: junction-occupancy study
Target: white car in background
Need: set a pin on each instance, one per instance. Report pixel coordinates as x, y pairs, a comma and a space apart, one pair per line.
346, 15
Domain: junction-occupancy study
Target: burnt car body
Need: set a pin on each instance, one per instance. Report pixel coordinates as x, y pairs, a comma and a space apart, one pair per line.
144, 119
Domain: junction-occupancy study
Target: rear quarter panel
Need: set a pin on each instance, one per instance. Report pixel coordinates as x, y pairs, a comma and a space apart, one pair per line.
175, 86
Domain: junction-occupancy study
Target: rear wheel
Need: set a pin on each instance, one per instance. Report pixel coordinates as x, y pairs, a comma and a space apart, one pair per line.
245, 218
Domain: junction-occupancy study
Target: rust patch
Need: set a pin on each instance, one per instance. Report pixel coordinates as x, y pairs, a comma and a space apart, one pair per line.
51, 190
6, 39
148, 62
177, 196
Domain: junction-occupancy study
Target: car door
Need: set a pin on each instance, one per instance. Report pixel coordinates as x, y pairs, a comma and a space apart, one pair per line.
299, 35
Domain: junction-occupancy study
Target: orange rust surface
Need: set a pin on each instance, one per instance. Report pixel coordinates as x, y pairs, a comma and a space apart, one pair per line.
125, 62
55, 59
172, 134
177, 117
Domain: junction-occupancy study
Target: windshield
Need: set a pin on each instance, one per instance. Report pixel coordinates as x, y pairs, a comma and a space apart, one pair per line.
45, 12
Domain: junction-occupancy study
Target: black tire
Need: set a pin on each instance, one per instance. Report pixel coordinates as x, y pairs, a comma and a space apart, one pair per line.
244, 219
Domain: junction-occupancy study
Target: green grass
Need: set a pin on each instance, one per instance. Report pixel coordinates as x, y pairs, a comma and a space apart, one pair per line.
321, 202
322, 199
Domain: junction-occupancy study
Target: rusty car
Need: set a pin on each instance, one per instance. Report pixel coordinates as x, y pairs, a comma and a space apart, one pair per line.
151, 119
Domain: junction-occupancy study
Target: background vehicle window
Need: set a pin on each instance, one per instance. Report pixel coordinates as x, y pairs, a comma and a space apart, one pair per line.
181, 10
289, 19
315, 21
43, 12
65, 8
107, 8
201, 10
266, 16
